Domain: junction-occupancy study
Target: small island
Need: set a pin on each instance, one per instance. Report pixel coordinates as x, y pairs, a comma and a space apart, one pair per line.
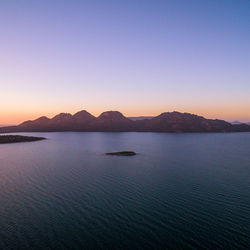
122, 153
18, 138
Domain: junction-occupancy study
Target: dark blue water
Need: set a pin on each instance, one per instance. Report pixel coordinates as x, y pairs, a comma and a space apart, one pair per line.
182, 191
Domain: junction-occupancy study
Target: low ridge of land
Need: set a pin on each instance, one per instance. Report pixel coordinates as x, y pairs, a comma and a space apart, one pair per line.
18, 138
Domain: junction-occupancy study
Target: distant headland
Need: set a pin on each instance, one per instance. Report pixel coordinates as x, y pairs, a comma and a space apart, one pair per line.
114, 121
18, 138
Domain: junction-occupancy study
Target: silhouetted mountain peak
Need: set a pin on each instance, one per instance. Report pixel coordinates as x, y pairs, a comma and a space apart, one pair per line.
83, 116
112, 115
61, 117
177, 115
83, 113
41, 120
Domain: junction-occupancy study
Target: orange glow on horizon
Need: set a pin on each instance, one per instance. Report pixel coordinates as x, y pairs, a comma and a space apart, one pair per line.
228, 114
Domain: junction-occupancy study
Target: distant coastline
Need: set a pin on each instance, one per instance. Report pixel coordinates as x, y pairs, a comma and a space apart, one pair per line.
114, 121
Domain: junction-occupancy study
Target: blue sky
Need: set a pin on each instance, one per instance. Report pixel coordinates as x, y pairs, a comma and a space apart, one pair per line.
139, 57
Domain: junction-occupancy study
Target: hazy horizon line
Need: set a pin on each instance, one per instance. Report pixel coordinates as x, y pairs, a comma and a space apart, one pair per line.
127, 116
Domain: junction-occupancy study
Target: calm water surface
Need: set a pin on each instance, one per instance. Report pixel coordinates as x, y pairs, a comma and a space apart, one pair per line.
182, 191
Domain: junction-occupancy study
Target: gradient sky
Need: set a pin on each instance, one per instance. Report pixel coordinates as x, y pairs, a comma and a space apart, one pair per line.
137, 56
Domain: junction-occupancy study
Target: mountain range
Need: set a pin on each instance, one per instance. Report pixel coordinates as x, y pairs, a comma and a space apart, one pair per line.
114, 121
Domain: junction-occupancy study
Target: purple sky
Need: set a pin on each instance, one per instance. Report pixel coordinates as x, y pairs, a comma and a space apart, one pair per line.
139, 57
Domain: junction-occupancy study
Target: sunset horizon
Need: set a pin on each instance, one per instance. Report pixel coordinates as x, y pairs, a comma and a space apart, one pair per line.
19, 118
140, 59
124, 124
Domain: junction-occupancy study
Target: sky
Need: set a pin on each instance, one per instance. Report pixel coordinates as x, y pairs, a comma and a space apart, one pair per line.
141, 57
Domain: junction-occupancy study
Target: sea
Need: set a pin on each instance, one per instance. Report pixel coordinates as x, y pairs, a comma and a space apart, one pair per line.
181, 191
